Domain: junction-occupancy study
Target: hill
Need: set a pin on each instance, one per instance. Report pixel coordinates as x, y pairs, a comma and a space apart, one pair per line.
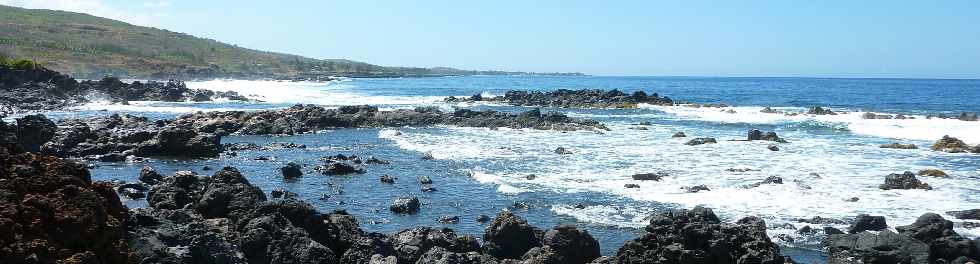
87, 46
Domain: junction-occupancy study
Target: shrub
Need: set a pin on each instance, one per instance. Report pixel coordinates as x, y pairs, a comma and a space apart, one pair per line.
22, 64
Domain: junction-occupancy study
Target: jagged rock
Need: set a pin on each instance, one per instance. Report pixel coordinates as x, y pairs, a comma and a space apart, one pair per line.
865, 222
679, 135
409, 245
35, 130
571, 244
52, 212
930, 239
816, 110
228, 195
631, 186
405, 205
701, 141
903, 181
698, 236
772, 148
509, 236
153, 234
425, 180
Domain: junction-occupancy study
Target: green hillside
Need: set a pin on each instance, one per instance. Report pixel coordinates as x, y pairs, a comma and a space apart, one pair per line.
91, 47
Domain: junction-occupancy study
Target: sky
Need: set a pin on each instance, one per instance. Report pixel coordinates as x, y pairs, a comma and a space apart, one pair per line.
915, 39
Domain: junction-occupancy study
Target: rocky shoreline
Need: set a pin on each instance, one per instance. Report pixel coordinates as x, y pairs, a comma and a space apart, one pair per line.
116, 137
40, 89
222, 218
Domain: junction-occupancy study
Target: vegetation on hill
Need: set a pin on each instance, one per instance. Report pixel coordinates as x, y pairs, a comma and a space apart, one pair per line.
91, 47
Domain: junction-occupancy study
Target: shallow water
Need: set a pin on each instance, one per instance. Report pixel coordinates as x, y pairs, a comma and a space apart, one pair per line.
480, 171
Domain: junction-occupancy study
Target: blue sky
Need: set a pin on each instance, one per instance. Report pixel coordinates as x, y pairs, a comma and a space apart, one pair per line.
939, 39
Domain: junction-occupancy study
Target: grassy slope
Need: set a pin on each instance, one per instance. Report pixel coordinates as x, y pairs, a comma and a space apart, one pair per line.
89, 46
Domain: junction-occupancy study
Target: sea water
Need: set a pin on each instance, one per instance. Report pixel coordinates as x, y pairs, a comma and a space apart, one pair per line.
829, 160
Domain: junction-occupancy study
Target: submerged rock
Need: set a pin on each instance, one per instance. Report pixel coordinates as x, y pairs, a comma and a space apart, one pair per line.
563, 151
932, 173
650, 176
899, 146
701, 141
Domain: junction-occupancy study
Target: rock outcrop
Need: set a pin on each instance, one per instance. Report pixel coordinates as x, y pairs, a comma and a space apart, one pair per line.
42, 89
954, 145
930, 239
903, 181
573, 99
52, 212
698, 236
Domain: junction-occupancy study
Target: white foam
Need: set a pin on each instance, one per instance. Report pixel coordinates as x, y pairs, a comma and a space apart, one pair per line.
340, 92
919, 128
604, 163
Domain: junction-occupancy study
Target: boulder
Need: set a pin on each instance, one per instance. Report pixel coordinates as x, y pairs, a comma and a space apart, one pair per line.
509, 236
228, 195
292, 170
405, 205
865, 222
32, 131
52, 212
953, 145
696, 188
698, 236
409, 245
149, 176
679, 135
903, 181
572, 245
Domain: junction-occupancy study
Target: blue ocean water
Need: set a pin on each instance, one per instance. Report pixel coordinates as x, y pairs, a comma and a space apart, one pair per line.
829, 159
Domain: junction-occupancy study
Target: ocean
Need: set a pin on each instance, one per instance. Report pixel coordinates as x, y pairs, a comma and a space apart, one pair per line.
829, 159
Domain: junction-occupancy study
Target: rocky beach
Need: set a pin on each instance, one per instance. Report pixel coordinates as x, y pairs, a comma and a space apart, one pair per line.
84, 186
